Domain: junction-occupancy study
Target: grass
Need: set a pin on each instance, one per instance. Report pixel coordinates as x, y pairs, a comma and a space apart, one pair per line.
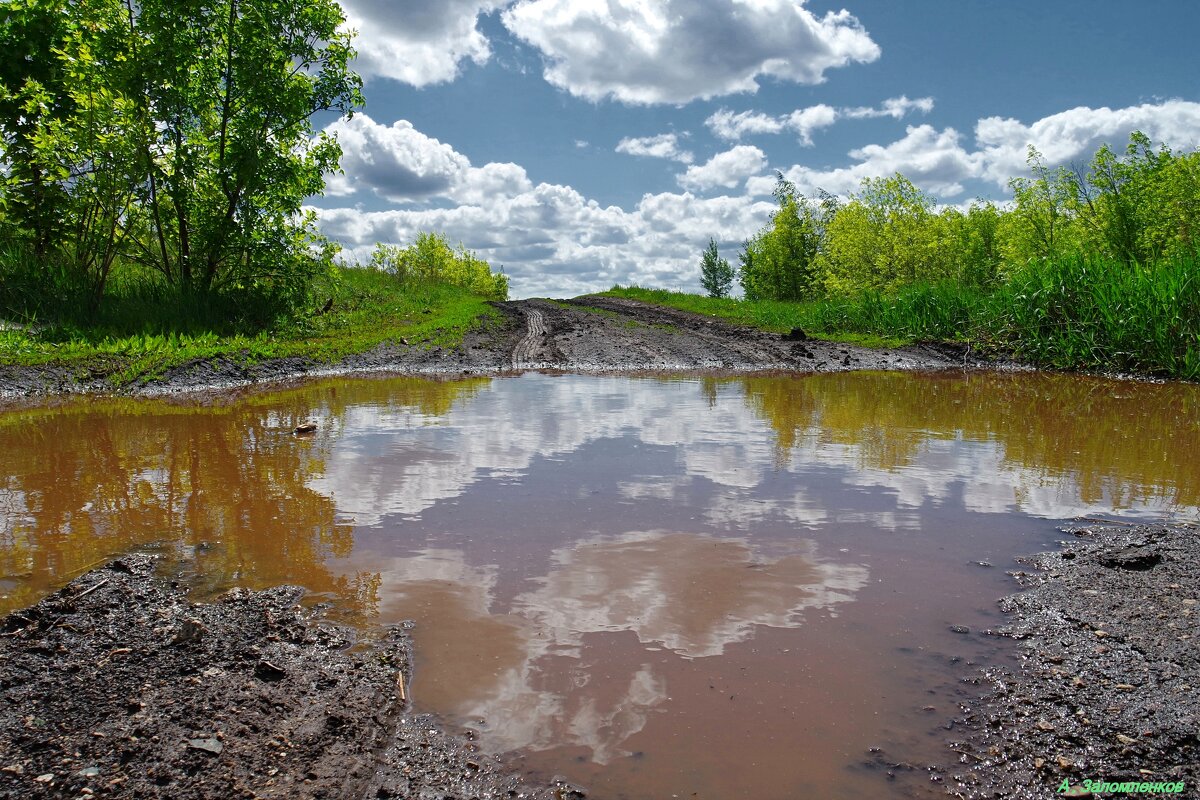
127, 346
1076, 312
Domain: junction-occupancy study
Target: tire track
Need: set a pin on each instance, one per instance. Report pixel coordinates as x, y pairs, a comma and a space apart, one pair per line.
522, 354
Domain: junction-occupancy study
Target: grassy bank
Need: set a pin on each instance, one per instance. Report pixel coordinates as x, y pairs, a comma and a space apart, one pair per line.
142, 332
1066, 313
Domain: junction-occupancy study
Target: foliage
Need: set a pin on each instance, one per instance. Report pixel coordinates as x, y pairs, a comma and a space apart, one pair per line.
173, 135
716, 276
431, 259
886, 237
780, 262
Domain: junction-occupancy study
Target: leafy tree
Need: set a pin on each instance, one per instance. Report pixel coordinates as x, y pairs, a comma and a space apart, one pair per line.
1040, 224
781, 261
975, 243
716, 276
175, 133
886, 237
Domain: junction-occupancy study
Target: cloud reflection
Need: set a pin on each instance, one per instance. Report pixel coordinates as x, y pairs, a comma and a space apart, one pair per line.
529, 672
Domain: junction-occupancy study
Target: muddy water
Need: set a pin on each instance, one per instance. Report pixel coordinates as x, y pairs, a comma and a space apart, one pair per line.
657, 588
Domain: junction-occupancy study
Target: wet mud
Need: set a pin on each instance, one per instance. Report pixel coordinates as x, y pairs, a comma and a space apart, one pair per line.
587, 334
1108, 686
118, 686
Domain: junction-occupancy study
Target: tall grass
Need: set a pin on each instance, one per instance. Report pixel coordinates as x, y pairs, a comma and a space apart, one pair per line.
1092, 313
1072, 312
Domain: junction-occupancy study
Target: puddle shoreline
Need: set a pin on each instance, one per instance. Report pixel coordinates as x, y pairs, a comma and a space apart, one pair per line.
1108, 689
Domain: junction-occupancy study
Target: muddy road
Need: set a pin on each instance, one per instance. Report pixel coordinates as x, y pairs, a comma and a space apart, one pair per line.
586, 334
118, 686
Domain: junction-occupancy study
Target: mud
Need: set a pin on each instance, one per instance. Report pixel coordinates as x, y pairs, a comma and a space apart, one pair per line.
587, 334
1108, 688
117, 686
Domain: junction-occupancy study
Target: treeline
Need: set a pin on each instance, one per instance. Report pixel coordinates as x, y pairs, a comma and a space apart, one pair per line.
169, 138
1096, 266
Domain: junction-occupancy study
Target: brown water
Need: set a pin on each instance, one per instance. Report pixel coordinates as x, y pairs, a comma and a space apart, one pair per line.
685, 588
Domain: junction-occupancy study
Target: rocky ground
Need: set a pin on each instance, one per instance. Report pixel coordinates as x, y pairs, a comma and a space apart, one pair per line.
587, 334
1108, 688
117, 686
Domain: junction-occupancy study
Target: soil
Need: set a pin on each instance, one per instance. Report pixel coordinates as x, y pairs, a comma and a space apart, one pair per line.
1108, 686
117, 686
587, 334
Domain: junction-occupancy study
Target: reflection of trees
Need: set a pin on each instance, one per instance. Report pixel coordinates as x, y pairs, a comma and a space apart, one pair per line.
1132, 441
223, 485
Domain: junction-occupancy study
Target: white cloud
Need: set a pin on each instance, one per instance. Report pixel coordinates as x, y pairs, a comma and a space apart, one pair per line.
894, 107
934, 160
665, 145
727, 169
730, 126
400, 163
1077, 133
682, 50
552, 239
416, 41
805, 121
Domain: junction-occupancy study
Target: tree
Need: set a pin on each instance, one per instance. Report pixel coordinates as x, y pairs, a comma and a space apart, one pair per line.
781, 261
886, 237
176, 133
231, 87
716, 276
431, 259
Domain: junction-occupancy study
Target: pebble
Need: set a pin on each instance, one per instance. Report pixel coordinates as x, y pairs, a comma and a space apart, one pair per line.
1123, 739
47, 778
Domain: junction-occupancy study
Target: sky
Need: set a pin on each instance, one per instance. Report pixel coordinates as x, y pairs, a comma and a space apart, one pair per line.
582, 143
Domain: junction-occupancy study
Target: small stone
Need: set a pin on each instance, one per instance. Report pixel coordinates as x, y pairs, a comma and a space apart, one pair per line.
13, 769
1101, 634
1064, 763
1044, 726
1038, 763
1189, 602
1123, 739
1125, 687
89, 772
47, 778
209, 745
267, 671
1078, 681
959, 629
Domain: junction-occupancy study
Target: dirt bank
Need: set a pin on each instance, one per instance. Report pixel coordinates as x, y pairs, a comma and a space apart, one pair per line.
587, 334
117, 686
1108, 688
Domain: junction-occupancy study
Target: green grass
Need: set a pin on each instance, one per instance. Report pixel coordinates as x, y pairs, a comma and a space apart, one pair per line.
126, 346
1078, 312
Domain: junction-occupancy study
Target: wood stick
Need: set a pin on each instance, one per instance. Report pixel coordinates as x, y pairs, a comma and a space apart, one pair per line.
90, 589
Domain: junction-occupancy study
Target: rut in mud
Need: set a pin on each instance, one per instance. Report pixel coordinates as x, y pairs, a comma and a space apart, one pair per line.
590, 334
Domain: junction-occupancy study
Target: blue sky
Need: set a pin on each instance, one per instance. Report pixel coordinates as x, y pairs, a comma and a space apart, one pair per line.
581, 143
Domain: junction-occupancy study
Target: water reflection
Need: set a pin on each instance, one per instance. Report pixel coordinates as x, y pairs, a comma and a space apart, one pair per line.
592, 561
528, 671
222, 485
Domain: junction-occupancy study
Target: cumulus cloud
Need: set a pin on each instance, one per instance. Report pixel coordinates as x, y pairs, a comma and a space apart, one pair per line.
665, 145
416, 41
805, 121
728, 169
399, 163
682, 50
552, 239
1079, 132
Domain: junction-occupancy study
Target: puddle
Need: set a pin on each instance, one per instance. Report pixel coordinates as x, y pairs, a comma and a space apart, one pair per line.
656, 588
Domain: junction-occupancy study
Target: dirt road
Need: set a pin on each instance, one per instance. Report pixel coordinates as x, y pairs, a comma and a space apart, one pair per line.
586, 334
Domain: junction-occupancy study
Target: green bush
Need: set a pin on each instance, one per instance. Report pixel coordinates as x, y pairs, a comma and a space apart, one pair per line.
431, 259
